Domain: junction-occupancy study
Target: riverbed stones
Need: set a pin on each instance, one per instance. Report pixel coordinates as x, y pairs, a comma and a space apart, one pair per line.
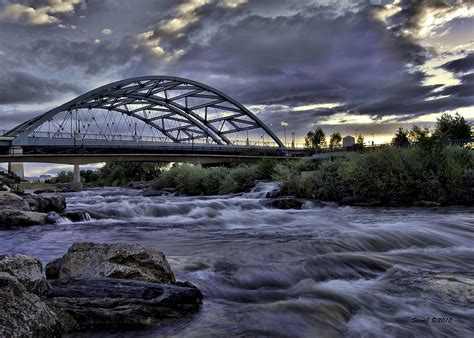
46, 202
101, 303
122, 260
19, 218
28, 270
9, 200
22, 313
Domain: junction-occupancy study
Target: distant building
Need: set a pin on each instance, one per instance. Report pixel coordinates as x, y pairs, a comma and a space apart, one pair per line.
44, 178
348, 141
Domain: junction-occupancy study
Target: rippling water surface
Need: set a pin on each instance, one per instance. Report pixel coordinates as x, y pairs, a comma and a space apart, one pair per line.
329, 272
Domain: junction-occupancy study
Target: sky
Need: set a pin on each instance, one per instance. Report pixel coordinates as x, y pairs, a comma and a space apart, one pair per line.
348, 66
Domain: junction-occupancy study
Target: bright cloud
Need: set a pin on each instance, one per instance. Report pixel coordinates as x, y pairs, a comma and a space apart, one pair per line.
232, 3
40, 15
316, 106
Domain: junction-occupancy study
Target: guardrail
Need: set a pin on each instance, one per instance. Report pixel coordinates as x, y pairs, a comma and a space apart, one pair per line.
238, 143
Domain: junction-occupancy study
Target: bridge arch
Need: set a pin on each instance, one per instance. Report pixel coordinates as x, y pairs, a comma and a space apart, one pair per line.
150, 108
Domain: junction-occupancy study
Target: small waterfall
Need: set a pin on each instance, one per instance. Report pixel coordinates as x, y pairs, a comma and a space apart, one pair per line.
86, 217
57, 219
264, 190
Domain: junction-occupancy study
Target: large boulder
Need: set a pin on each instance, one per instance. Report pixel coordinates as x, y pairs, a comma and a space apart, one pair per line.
47, 202
123, 260
28, 270
18, 218
23, 314
105, 303
9, 200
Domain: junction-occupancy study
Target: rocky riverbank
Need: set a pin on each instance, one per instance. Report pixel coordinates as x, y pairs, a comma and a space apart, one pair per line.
93, 286
23, 209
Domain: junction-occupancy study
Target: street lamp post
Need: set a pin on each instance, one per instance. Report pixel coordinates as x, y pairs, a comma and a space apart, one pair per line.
284, 124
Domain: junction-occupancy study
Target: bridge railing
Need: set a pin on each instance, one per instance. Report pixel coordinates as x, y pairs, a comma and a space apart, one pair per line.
151, 139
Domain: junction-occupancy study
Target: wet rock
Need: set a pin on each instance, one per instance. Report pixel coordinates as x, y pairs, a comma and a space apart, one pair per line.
368, 204
9, 200
139, 185
123, 260
152, 192
78, 216
19, 218
47, 202
273, 194
83, 215
53, 217
427, 204
97, 303
158, 192
23, 314
52, 268
348, 200
28, 270
287, 203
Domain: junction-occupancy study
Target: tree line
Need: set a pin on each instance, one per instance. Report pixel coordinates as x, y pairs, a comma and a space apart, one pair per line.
448, 129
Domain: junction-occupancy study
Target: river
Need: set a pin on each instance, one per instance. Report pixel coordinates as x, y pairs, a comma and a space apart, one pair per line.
317, 272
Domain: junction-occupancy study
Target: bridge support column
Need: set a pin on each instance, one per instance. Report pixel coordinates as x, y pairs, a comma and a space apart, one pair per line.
76, 183
17, 169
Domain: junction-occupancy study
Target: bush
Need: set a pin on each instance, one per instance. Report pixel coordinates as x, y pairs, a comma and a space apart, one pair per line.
240, 179
394, 176
193, 180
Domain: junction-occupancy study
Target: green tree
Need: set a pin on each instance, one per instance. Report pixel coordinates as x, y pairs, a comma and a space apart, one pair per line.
122, 173
316, 139
308, 140
63, 177
401, 138
453, 128
360, 140
335, 141
418, 134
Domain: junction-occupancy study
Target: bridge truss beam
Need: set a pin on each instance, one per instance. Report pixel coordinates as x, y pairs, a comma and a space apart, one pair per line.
155, 108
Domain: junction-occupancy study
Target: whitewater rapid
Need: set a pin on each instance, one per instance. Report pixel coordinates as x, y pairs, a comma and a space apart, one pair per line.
316, 272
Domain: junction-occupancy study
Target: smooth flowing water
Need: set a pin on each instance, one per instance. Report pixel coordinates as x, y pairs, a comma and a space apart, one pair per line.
317, 272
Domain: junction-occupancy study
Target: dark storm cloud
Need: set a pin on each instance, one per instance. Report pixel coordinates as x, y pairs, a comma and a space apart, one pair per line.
312, 57
19, 87
462, 65
89, 56
291, 56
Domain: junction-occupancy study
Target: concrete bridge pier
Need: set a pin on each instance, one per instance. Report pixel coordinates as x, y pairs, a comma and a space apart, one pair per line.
17, 169
76, 183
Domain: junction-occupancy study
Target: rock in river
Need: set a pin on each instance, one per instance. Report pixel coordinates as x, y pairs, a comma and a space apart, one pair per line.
18, 218
287, 203
96, 286
9, 200
22, 312
99, 303
46, 202
28, 270
123, 260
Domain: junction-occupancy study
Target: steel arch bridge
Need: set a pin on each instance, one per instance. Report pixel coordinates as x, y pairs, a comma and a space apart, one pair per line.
149, 109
